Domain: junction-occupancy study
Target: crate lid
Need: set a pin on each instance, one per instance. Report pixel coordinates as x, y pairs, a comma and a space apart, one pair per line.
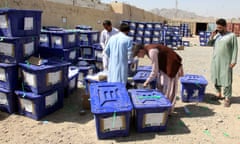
3, 90
143, 98
144, 68
193, 79
141, 75
109, 98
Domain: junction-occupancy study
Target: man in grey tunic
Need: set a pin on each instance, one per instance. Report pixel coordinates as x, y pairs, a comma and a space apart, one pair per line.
224, 60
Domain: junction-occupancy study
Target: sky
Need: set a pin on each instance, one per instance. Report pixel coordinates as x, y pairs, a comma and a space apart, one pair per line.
216, 8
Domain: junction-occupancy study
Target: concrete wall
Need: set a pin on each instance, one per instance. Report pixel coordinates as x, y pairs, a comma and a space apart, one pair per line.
54, 13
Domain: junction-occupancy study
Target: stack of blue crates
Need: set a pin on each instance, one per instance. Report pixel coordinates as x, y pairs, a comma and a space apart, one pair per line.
112, 108
42, 88
185, 31
19, 34
204, 37
158, 33
59, 43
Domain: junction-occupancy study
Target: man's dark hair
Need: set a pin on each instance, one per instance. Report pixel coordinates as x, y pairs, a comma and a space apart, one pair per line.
107, 22
136, 48
221, 22
124, 27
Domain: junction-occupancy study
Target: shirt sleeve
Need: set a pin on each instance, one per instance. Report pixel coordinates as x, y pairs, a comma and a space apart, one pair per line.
107, 49
102, 40
153, 55
235, 50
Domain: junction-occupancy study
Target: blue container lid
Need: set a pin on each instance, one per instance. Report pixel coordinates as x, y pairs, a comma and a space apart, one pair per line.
141, 75
143, 98
193, 79
109, 98
3, 90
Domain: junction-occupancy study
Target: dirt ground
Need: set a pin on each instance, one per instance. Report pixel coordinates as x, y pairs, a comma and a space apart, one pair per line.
208, 123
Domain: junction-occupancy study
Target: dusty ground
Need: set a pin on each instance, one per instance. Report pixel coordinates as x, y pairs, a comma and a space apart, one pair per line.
208, 123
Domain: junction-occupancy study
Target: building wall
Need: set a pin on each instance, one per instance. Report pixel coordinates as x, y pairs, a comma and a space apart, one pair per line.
54, 13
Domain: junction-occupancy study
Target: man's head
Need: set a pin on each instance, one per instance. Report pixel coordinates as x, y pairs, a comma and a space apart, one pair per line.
221, 25
124, 28
107, 25
139, 51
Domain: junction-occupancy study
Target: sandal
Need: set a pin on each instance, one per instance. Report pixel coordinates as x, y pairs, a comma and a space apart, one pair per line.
216, 98
227, 103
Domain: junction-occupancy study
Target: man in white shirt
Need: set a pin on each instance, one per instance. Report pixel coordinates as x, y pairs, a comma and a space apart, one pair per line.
105, 36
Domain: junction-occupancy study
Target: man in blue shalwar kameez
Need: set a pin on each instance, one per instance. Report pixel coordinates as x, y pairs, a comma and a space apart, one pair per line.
117, 51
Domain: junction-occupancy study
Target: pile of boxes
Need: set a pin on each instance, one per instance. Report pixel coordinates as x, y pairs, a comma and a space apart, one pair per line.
204, 37
158, 33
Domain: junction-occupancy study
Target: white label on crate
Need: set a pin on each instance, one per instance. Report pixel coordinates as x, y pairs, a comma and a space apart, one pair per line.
98, 54
43, 38
81, 76
30, 79
113, 124
7, 49
95, 38
72, 83
28, 49
54, 77
140, 86
155, 39
28, 23
51, 99
3, 99
147, 39
3, 22
27, 105
2, 75
71, 38
57, 40
83, 37
87, 51
72, 55
154, 119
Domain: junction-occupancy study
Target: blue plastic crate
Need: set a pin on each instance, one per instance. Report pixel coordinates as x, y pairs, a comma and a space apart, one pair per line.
8, 76
144, 68
88, 82
193, 88
131, 32
156, 33
112, 107
174, 44
70, 55
140, 32
202, 33
168, 37
203, 43
87, 37
148, 33
83, 27
208, 34
98, 51
45, 39
150, 26
132, 67
186, 43
8, 101
17, 50
87, 52
62, 39
40, 79
151, 110
139, 39
19, 23
157, 26
36, 106
72, 80
169, 44
141, 77
202, 38
147, 40
141, 25
156, 40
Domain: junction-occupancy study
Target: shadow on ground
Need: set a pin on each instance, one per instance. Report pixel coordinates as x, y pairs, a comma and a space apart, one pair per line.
70, 111
3, 115
194, 111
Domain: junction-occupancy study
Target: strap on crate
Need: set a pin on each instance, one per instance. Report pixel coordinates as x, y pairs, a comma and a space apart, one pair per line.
24, 94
